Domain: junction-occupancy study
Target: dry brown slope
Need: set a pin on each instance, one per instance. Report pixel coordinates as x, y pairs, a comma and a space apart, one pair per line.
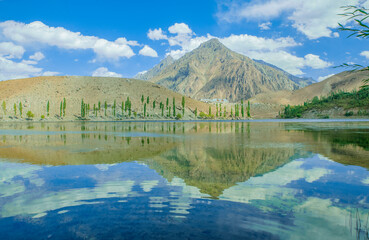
35, 92
346, 81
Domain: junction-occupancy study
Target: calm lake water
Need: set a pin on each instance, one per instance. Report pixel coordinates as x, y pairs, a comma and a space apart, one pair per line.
219, 180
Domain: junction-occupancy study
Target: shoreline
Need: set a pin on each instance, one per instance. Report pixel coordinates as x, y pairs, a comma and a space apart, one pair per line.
270, 120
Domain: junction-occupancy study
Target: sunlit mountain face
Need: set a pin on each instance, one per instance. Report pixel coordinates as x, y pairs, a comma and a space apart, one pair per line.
216, 180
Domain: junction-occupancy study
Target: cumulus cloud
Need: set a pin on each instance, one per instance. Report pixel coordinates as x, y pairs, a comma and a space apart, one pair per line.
271, 50
38, 32
156, 34
10, 50
104, 72
12, 70
49, 73
180, 28
38, 56
265, 26
324, 77
148, 51
365, 54
314, 18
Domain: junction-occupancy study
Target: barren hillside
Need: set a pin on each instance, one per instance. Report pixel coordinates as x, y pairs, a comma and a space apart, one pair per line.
34, 93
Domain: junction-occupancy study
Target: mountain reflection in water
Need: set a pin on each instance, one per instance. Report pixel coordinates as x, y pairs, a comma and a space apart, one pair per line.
216, 180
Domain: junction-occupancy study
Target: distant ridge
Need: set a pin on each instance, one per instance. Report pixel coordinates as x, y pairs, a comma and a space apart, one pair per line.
214, 71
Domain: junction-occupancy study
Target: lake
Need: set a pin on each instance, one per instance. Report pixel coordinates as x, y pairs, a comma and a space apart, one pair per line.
184, 180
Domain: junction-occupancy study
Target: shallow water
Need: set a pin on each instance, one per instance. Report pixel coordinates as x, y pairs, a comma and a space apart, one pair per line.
216, 180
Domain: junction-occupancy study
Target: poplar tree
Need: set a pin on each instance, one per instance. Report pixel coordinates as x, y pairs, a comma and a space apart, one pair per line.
167, 103
242, 109
48, 108
99, 106
4, 107
61, 109
231, 111
153, 104
142, 99
82, 108
209, 110
147, 100
20, 109
216, 114
144, 110
183, 105
114, 107
195, 112
106, 107
174, 107
248, 109
15, 109
64, 106
122, 108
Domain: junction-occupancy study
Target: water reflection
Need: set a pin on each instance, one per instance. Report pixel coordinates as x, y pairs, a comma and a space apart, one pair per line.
163, 180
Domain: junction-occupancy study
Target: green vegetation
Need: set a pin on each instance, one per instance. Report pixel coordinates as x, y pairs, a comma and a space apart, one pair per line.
20, 109
345, 100
48, 108
183, 105
206, 116
42, 116
4, 107
61, 109
196, 112
15, 109
248, 109
242, 109
30, 114
179, 116
106, 107
64, 106
174, 107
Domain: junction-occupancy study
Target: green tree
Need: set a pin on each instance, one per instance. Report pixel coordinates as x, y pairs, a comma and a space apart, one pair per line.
231, 112
20, 109
360, 16
167, 103
122, 108
142, 99
61, 109
147, 100
64, 106
82, 108
217, 109
248, 109
153, 104
114, 108
242, 109
15, 109
209, 110
169, 112
106, 107
4, 107
30, 114
48, 108
99, 106
195, 112
144, 110
95, 110
183, 105
174, 107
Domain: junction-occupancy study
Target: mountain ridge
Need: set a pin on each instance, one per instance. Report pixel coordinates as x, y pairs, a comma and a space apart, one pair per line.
214, 71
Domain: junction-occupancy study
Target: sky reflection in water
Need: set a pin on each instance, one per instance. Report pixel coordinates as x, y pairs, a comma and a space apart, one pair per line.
184, 180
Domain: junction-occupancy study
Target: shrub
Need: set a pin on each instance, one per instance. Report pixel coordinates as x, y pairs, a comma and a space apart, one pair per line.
42, 116
349, 113
30, 114
179, 116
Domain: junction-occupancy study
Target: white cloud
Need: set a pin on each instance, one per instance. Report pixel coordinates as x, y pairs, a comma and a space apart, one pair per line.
271, 50
38, 32
324, 77
49, 73
314, 18
104, 72
13, 70
265, 26
148, 51
365, 54
156, 34
10, 50
180, 28
38, 56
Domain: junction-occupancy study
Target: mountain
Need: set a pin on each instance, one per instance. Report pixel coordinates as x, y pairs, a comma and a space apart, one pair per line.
34, 93
213, 71
345, 81
303, 82
155, 70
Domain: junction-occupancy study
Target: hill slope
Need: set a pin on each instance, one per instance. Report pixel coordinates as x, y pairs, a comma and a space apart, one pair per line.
345, 81
35, 92
155, 70
213, 71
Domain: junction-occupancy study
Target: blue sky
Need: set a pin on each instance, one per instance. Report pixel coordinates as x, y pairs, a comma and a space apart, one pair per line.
122, 38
